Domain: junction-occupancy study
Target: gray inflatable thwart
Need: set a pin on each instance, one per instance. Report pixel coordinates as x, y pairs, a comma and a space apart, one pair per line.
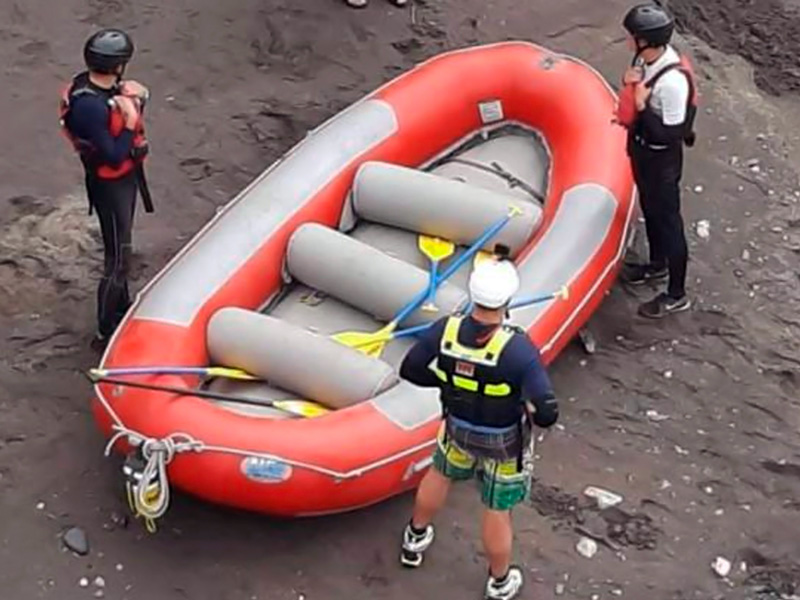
435, 205
295, 359
366, 278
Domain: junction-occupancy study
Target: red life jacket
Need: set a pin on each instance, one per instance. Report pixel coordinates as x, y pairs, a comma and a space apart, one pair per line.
626, 108
116, 124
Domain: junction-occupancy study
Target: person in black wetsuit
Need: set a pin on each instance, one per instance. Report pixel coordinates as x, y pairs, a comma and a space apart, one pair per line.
101, 115
655, 147
493, 387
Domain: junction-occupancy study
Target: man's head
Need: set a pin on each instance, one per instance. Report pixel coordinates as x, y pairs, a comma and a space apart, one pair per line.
649, 27
492, 285
108, 51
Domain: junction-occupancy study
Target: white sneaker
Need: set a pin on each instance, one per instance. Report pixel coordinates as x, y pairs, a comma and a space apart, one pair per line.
509, 589
414, 545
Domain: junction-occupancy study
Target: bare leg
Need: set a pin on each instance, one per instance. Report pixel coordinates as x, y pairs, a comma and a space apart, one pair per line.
431, 496
498, 536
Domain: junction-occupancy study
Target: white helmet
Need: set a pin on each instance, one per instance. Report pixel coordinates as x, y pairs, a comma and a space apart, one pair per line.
493, 283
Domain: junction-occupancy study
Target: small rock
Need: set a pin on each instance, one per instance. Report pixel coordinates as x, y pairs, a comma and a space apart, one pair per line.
560, 588
99, 581
582, 363
119, 567
605, 499
595, 596
721, 566
681, 451
75, 539
703, 229
745, 254
719, 512
698, 189
655, 416
40, 506
616, 592
743, 566
708, 490
99, 593
668, 374
83, 582
586, 547
665, 485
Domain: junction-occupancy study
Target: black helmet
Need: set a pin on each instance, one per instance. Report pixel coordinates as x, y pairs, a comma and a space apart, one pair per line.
107, 49
650, 23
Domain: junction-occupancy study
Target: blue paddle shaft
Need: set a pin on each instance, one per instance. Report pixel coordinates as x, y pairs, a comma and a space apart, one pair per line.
515, 304
455, 266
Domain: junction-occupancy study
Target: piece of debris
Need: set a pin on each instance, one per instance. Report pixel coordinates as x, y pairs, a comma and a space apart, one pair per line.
616, 592
668, 374
83, 582
119, 567
665, 484
656, 416
560, 588
99, 581
703, 229
40, 506
586, 547
721, 566
75, 539
605, 499
99, 593
681, 451
698, 189
588, 341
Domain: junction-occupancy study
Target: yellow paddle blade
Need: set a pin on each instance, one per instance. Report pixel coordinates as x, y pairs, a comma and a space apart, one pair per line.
303, 408
371, 344
435, 248
231, 373
563, 292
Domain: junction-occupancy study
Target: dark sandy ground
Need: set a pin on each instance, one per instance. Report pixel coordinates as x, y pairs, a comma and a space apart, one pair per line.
694, 421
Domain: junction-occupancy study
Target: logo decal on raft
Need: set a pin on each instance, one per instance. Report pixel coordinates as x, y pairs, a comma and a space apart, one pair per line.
265, 470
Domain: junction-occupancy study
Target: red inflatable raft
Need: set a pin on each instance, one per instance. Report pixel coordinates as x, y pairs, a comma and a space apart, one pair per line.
325, 241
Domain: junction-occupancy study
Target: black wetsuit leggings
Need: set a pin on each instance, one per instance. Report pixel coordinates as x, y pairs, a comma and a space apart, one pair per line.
114, 201
658, 176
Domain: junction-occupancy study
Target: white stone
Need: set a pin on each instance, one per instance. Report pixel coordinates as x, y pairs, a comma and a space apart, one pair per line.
605, 499
586, 547
721, 566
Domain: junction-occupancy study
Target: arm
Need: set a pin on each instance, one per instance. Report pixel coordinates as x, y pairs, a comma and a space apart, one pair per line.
415, 365
537, 391
89, 122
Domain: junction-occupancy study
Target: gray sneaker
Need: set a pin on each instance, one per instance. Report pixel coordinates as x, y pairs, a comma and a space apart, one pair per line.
663, 305
508, 589
414, 546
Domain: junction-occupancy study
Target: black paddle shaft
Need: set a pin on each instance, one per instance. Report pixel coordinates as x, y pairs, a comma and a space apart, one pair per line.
189, 392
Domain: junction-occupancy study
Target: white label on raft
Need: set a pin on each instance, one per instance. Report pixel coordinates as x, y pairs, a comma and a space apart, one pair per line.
491, 111
265, 470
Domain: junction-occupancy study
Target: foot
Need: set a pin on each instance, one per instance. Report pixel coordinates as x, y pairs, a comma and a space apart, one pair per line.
505, 589
640, 274
414, 546
663, 305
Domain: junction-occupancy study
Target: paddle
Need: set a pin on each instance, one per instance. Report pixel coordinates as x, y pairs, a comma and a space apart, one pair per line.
562, 293
436, 249
227, 372
372, 344
301, 408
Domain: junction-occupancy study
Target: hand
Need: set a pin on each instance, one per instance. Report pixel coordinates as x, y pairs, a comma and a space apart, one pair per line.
633, 75
129, 110
135, 89
641, 94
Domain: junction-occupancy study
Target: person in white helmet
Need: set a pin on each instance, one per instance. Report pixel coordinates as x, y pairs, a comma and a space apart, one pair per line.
363, 3
493, 386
